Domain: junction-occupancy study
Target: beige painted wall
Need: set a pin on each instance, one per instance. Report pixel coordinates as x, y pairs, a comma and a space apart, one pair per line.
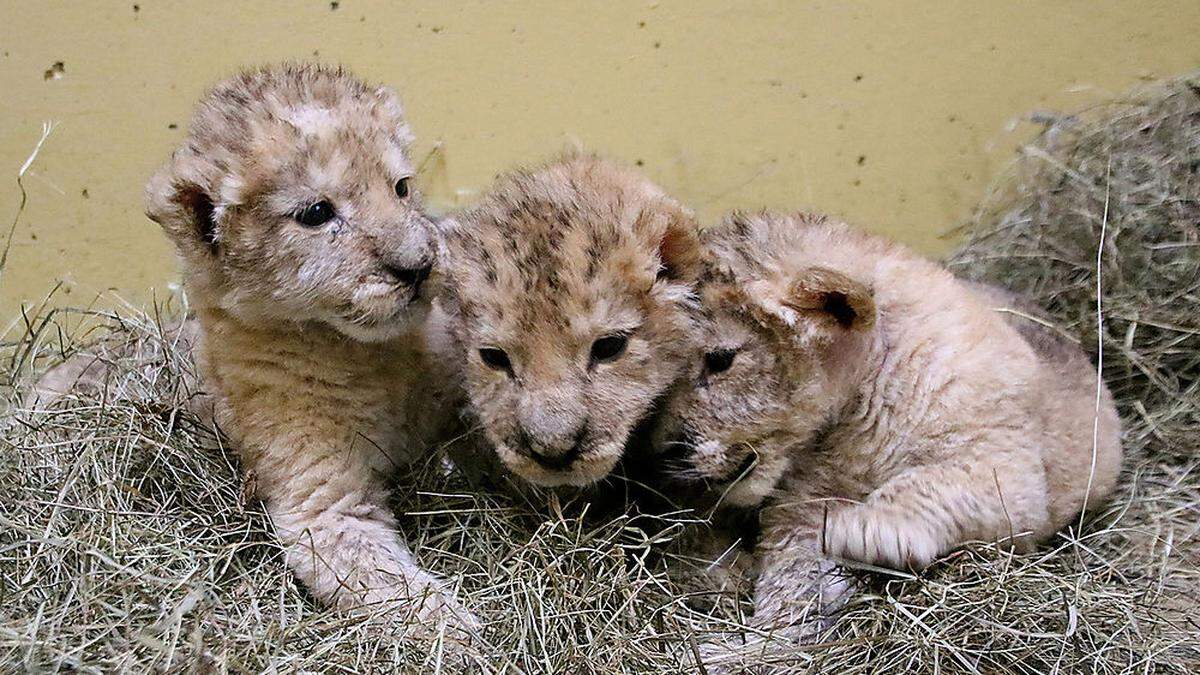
893, 113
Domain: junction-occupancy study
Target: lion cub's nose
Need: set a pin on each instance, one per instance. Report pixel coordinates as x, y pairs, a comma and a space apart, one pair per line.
555, 461
409, 276
556, 456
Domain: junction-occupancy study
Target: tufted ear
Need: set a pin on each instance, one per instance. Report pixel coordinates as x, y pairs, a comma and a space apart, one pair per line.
816, 301
177, 200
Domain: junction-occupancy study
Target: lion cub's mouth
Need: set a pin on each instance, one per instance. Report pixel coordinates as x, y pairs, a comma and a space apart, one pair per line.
742, 470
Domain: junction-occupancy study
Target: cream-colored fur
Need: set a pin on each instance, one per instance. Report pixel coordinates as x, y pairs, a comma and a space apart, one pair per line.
567, 289
315, 338
877, 409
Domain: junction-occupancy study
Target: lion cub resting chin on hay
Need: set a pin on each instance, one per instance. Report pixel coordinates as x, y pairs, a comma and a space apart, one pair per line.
304, 251
877, 408
568, 301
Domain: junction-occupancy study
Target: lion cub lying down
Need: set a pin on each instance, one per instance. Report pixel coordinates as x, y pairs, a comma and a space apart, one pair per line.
879, 409
304, 251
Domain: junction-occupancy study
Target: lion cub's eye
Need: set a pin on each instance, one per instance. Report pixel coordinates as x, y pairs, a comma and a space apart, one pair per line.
402, 188
315, 215
719, 361
495, 359
608, 348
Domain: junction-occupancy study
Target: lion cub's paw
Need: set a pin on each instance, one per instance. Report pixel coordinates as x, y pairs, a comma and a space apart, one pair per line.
880, 537
420, 604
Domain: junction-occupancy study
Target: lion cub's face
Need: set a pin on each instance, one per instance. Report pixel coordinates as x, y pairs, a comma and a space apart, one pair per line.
776, 337
565, 284
292, 200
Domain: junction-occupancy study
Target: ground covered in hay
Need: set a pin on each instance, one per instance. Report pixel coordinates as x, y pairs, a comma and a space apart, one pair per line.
127, 542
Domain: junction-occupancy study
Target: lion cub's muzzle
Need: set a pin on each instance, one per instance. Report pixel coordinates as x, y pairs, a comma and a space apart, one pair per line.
556, 454
410, 277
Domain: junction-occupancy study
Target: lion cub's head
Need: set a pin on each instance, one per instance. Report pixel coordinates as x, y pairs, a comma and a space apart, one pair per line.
777, 338
568, 289
292, 200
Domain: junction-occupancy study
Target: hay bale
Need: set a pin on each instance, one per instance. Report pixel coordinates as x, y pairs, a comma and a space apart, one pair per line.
126, 542
1132, 170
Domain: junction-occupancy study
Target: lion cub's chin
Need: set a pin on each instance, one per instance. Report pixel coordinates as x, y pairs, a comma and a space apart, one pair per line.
381, 326
587, 470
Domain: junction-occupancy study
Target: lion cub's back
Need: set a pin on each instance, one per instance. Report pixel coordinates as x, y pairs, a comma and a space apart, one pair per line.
1065, 407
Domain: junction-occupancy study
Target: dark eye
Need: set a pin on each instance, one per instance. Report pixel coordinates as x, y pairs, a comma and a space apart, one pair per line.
719, 361
608, 348
495, 359
315, 215
402, 188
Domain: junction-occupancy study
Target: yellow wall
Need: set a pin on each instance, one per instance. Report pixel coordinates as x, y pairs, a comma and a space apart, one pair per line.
894, 114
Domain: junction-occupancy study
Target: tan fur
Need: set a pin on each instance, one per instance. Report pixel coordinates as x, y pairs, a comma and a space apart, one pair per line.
314, 343
550, 262
878, 409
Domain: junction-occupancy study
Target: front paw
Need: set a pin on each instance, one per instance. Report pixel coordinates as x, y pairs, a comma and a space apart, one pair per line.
420, 604
879, 537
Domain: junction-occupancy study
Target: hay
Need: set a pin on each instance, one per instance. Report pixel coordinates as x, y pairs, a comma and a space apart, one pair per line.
126, 543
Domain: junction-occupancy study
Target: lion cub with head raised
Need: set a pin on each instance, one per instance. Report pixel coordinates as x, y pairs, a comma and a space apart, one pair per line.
877, 408
567, 290
304, 253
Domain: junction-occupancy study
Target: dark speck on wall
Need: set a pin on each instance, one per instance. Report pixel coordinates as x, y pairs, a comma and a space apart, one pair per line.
55, 71
172, 125
862, 159
333, 6
84, 193
639, 162
137, 8
858, 78
657, 45
641, 24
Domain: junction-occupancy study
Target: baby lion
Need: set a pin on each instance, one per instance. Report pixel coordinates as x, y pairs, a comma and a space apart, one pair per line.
879, 409
566, 296
304, 253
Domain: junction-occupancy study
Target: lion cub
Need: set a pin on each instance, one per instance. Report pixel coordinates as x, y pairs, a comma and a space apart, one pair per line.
566, 287
304, 253
879, 409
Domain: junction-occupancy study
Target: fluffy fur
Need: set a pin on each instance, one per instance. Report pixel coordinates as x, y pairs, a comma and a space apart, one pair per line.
877, 409
314, 339
568, 289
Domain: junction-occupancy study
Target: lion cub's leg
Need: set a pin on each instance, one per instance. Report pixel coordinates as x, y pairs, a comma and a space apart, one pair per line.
329, 504
797, 594
927, 511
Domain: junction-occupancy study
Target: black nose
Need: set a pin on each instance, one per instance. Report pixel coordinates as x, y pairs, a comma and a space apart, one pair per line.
409, 276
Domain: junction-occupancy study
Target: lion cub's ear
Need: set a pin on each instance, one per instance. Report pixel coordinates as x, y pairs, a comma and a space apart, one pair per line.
816, 301
679, 249
826, 295
176, 200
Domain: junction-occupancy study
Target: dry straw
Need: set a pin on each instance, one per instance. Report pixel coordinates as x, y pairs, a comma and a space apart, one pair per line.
127, 544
